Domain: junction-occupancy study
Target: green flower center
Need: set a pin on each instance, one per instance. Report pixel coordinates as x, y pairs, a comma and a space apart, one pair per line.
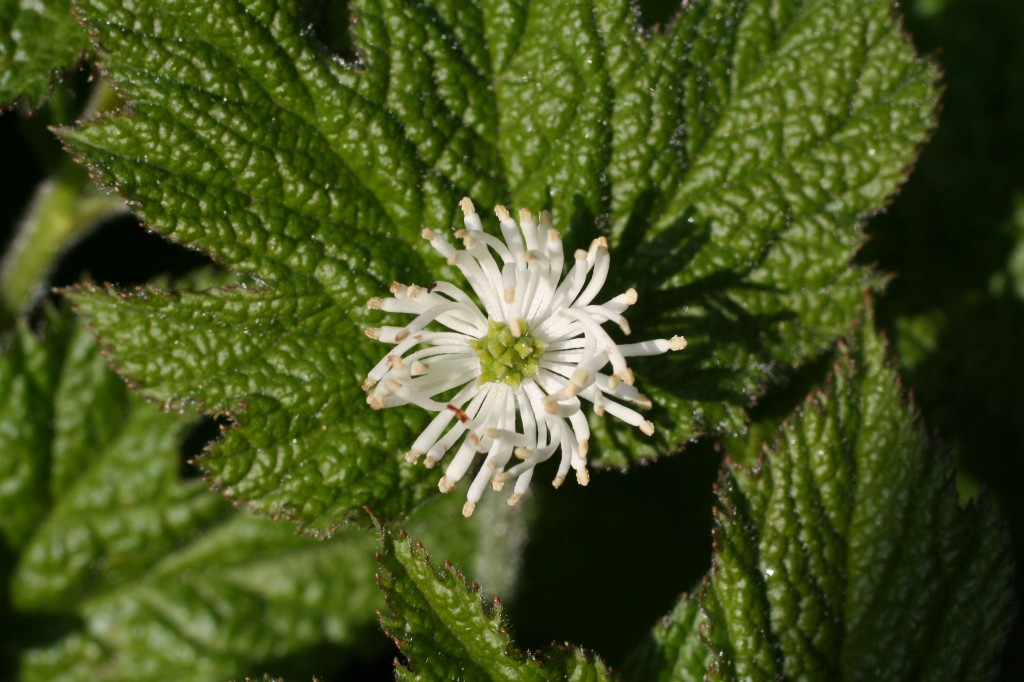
503, 357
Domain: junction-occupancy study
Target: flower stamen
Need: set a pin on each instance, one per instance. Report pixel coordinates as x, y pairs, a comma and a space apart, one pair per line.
507, 373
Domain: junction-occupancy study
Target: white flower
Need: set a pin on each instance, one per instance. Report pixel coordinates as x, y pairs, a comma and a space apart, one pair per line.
508, 379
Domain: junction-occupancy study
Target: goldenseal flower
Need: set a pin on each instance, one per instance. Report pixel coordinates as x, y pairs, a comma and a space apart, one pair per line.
507, 376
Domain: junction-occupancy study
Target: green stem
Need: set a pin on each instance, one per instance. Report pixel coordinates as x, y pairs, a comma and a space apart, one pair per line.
63, 208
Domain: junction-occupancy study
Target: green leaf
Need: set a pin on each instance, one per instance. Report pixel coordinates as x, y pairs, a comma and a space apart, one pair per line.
39, 40
116, 569
446, 630
674, 650
800, 119
305, 445
730, 158
844, 555
247, 596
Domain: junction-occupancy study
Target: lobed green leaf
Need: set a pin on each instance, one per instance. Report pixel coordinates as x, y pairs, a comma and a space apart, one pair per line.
766, 134
730, 158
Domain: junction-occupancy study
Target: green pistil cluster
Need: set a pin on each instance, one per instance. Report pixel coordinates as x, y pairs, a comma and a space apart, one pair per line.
503, 357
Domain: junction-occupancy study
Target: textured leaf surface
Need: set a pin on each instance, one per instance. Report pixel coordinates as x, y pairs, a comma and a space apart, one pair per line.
845, 555
118, 570
675, 650
447, 632
38, 39
730, 159
791, 122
